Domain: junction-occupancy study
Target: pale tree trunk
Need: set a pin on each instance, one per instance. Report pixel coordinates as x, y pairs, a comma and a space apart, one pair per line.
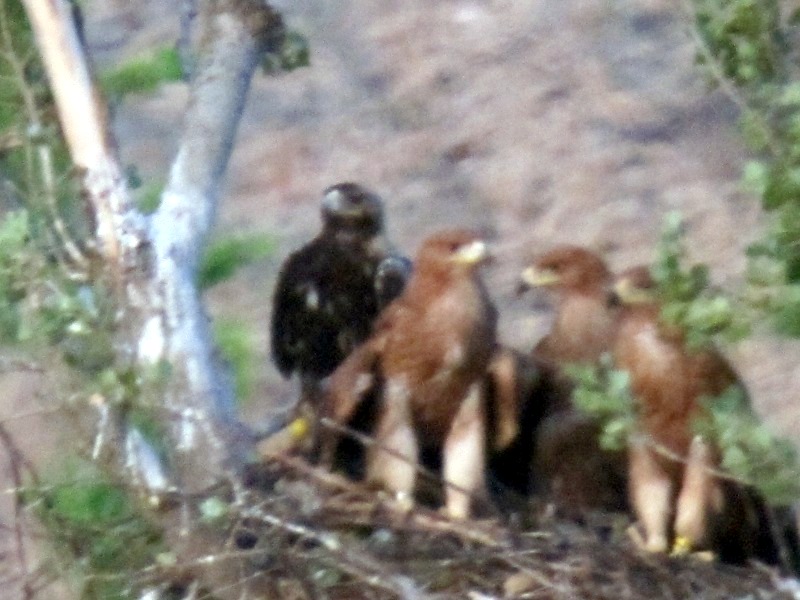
153, 261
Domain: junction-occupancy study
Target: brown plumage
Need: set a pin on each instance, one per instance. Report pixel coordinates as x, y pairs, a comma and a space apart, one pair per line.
429, 353
667, 381
735, 521
675, 490
328, 295
511, 384
568, 465
583, 327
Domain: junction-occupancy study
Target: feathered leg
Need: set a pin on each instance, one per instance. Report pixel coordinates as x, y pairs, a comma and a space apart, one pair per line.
651, 493
695, 499
464, 461
343, 394
503, 374
392, 462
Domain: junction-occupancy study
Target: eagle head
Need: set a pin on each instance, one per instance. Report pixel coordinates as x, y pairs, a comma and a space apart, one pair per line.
566, 268
456, 250
633, 286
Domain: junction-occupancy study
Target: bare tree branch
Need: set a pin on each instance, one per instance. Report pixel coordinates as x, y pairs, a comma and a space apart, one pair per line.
85, 125
17, 463
188, 16
235, 34
154, 263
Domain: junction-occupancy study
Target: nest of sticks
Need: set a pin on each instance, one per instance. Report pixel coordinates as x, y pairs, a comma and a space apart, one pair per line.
299, 531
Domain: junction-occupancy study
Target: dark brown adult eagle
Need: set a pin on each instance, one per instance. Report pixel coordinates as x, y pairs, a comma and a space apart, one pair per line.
327, 295
428, 355
568, 464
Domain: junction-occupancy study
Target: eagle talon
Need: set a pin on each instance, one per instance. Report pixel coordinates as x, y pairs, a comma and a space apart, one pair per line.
293, 437
704, 556
635, 536
300, 428
404, 502
654, 545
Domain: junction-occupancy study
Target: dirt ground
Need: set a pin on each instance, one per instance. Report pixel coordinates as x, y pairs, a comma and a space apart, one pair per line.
541, 122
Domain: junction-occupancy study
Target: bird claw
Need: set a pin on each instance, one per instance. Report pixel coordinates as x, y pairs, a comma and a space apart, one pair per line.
635, 536
652, 546
300, 428
290, 438
404, 502
704, 556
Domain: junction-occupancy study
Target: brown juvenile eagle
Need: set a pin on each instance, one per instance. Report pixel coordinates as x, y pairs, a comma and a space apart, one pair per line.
679, 498
327, 295
429, 352
568, 464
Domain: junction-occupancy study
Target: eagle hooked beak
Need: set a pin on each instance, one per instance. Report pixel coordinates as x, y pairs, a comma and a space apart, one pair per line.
533, 277
472, 253
337, 202
625, 292
334, 200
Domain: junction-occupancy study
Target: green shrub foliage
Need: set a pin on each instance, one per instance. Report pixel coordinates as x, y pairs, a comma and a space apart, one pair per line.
748, 49
689, 301
750, 451
228, 254
604, 392
143, 74
98, 521
56, 306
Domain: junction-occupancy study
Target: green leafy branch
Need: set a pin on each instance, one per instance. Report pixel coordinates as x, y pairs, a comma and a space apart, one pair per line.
604, 393
225, 256
142, 74
689, 302
748, 48
91, 516
751, 453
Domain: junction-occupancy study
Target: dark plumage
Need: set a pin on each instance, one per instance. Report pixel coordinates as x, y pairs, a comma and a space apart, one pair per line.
429, 352
732, 520
326, 299
390, 278
514, 389
568, 464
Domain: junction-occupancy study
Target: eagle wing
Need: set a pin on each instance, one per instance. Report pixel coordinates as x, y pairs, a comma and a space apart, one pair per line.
324, 306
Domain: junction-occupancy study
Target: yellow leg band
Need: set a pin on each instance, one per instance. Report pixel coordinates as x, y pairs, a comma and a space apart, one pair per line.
299, 428
682, 546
